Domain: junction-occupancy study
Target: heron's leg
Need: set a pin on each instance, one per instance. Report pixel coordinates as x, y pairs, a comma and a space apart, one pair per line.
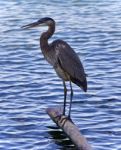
65, 93
71, 97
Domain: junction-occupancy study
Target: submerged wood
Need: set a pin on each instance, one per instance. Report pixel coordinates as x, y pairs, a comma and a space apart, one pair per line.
69, 128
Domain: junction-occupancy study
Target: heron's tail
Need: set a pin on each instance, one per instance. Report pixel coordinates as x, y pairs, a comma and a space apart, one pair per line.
82, 84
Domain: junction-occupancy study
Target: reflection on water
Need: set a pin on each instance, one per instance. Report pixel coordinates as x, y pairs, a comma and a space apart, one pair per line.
28, 84
60, 138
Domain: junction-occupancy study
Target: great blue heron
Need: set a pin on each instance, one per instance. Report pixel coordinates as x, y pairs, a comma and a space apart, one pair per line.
62, 57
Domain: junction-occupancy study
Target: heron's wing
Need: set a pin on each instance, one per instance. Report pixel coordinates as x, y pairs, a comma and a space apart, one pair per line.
69, 61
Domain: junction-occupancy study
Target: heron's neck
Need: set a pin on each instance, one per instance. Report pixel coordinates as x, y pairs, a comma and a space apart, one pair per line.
45, 36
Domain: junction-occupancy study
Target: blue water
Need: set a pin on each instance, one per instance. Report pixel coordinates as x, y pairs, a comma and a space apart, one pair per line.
29, 85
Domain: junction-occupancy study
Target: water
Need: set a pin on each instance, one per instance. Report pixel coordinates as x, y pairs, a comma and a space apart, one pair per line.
29, 85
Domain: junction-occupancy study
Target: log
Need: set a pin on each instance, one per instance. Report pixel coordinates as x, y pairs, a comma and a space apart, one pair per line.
69, 128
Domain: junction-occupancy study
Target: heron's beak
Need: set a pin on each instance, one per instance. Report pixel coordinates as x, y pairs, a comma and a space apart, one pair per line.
32, 25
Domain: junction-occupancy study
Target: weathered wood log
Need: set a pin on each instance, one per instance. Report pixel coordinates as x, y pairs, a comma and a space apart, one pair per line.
69, 128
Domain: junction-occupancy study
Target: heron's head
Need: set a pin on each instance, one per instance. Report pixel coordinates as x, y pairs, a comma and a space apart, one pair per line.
42, 22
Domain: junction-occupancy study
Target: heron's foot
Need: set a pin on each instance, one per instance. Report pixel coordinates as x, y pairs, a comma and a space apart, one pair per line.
69, 118
62, 119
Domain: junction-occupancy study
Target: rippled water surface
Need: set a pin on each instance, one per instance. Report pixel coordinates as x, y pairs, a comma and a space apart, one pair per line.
29, 85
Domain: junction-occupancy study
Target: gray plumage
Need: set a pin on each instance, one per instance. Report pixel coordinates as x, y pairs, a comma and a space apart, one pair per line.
68, 61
